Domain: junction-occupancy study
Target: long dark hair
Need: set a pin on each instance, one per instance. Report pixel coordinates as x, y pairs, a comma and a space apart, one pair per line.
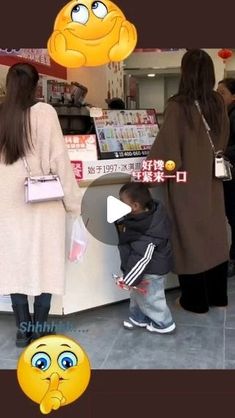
197, 83
15, 130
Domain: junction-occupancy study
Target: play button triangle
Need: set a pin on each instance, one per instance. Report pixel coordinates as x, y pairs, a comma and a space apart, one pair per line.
116, 209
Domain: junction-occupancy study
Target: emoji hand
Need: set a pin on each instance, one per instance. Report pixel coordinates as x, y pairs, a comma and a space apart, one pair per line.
57, 48
54, 398
126, 44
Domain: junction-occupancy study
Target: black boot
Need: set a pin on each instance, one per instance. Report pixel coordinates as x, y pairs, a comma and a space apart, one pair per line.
41, 326
23, 323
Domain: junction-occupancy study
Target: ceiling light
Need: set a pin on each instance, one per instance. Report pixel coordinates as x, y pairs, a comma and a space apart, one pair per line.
151, 75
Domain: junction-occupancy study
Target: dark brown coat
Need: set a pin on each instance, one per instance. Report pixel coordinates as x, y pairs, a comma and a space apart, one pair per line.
196, 208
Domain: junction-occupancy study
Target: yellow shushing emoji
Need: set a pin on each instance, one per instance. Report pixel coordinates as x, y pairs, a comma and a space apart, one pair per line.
53, 371
91, 33
170, 165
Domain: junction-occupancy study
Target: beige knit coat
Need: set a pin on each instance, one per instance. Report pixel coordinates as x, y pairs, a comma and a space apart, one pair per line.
32, 236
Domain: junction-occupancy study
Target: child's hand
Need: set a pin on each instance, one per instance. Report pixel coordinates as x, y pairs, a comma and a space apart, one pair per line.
120, 283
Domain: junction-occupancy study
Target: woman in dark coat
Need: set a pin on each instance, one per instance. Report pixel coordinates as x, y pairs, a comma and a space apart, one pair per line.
226, 88
196, 208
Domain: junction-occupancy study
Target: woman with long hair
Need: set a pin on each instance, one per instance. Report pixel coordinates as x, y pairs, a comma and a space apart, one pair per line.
226, 88
196, 208
32, 238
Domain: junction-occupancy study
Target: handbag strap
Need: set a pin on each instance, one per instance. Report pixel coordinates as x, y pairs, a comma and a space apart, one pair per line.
27, 166
207, 128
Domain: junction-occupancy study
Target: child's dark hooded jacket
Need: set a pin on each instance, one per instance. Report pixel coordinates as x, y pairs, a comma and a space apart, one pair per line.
144, 244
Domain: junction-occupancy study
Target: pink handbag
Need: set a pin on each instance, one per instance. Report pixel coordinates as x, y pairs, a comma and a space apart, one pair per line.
42, 188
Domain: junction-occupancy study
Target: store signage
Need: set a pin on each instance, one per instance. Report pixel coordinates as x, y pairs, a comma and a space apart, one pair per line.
91, 170
81, 147
78, 169
39, 56
126, 133
7, 51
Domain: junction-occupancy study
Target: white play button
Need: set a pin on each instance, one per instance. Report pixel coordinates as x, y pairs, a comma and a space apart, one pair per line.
116, 209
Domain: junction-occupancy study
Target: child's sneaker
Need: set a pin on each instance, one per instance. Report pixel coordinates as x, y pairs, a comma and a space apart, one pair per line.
132, 323
154, 328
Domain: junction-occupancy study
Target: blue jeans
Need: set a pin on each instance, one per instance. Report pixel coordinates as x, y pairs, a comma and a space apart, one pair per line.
151, 306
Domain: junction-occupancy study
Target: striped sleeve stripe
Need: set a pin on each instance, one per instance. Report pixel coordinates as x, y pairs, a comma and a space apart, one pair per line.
143, 267
140, 266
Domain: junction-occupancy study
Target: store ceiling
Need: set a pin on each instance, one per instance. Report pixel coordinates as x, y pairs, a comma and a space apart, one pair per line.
143, 72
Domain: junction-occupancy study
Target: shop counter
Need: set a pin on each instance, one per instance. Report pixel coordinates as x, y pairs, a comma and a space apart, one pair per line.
89, 284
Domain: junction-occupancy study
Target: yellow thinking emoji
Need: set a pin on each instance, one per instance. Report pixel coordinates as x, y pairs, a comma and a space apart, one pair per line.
91, 33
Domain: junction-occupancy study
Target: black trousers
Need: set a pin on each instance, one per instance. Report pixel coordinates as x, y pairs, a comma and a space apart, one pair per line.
229, 198
200, 291
43, 300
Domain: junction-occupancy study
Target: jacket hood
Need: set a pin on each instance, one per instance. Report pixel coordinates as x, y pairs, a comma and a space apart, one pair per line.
160, 225
152, 223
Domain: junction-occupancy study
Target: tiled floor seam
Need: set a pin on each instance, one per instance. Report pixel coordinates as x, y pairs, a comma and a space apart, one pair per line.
199, 325
109, 351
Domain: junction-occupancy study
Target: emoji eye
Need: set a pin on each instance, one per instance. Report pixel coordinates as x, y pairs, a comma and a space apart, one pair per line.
41, 361
99, 9
80, 14
67, 360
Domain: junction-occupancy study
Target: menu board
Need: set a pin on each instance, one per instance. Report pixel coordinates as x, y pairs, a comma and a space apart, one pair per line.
126, 133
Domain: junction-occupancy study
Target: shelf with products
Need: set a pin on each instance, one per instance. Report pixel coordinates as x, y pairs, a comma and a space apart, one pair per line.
65, 93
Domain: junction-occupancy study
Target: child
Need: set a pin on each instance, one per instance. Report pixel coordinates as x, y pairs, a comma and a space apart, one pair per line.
146, 258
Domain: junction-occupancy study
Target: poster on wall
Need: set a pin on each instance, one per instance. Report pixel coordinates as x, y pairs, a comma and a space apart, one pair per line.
39, 91
81, 147
126, 133
115, 80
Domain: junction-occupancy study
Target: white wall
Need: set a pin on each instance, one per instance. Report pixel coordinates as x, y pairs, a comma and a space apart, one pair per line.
163, 60
95, 79
230, 66
151, 93
171, 86
3, 73
154, 92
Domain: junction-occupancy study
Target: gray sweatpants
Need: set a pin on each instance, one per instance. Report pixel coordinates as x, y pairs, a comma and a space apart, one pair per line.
151, 306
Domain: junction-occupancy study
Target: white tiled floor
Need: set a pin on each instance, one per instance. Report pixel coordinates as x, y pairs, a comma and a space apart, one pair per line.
200, 342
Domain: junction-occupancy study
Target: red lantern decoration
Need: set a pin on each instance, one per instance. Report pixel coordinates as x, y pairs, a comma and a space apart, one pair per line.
225, 53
